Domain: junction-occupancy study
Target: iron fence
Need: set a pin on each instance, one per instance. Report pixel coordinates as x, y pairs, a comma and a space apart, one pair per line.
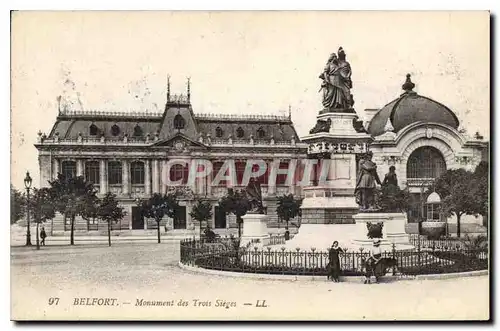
226, 255
438, 244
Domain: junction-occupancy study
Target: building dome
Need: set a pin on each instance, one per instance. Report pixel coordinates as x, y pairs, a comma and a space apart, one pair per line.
410, 108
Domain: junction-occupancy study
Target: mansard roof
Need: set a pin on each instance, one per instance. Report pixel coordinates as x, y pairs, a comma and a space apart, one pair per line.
69, 125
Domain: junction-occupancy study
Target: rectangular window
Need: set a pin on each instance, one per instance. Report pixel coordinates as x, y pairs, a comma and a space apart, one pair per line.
216, 168
281, 178
240, 170
137, 173
264, 178
114, 172
92, 172
179, 172
433, 212
68, 169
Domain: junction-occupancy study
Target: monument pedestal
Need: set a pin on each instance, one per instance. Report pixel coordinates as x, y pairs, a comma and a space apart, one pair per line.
255, 230
393, 230
328, 207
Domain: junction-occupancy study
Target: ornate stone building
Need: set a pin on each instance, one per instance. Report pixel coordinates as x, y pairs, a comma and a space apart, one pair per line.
127, 154
422, 138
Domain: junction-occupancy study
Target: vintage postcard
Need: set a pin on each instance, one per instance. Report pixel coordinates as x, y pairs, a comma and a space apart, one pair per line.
250, 165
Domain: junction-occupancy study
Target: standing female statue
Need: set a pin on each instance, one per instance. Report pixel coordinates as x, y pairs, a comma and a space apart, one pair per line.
337, 82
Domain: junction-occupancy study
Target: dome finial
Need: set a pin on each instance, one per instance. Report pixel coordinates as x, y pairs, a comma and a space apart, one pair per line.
408, 85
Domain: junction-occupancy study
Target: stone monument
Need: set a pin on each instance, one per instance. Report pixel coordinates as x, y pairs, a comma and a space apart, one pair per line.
255, 231
380, 216
339, 204
336, 144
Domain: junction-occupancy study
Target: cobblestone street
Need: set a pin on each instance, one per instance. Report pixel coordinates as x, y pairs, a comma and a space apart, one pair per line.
131, 272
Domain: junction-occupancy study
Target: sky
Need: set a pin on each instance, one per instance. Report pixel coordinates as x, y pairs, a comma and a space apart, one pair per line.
239, 63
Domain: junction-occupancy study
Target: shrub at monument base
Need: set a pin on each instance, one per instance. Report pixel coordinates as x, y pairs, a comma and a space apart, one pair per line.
433, 230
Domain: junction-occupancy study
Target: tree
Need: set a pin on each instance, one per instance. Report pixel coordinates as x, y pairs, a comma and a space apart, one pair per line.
158, 206
457, 189
17, 205
236, 203
481, 179
201, 211
73, 196
287, 209
109, 211
41, 208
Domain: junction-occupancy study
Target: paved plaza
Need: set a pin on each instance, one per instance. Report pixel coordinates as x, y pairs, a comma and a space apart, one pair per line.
131, 272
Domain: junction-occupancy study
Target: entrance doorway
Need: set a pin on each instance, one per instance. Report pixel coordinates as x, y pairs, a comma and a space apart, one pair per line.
137, 219
180, 218
220, 218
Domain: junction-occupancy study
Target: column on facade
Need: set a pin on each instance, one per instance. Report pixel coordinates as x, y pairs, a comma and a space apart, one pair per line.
155, 175
56, 168
293, 165
271, 189
312, 173
44, 164
79, 167
103, 183
163, 179
208, 179
147, 177
125, 176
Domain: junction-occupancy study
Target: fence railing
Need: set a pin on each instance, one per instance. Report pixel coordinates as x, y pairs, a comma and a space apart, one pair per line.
436, 244
225, 255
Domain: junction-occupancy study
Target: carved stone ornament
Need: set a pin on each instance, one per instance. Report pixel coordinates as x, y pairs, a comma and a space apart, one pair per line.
391, 159
179, 146
183, 192
428, 133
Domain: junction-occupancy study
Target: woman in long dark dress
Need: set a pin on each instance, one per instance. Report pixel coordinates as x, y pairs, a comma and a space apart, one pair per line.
334, 261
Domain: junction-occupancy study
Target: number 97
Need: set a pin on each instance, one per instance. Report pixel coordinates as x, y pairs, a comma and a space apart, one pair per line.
53, 301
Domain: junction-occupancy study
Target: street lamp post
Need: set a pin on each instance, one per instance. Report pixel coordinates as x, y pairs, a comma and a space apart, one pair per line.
27, 185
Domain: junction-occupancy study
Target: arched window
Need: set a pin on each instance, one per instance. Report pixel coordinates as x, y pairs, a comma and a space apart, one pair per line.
425, 162
179, 122
92, 172
137, 173
68, 169
137, 131
115, 130
93, 130
261, 133
179, 172
218, 132
114, 173
239, 132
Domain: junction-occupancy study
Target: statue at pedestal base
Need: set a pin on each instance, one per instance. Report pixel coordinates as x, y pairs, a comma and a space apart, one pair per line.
366, 185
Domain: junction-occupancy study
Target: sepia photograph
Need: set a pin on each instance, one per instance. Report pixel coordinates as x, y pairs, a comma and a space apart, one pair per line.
250, 165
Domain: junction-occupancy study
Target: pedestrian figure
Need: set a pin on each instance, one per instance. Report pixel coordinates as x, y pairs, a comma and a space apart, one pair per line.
373, 260
43, 235
334, 262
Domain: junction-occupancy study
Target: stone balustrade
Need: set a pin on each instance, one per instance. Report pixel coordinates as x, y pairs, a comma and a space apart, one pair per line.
144, 141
